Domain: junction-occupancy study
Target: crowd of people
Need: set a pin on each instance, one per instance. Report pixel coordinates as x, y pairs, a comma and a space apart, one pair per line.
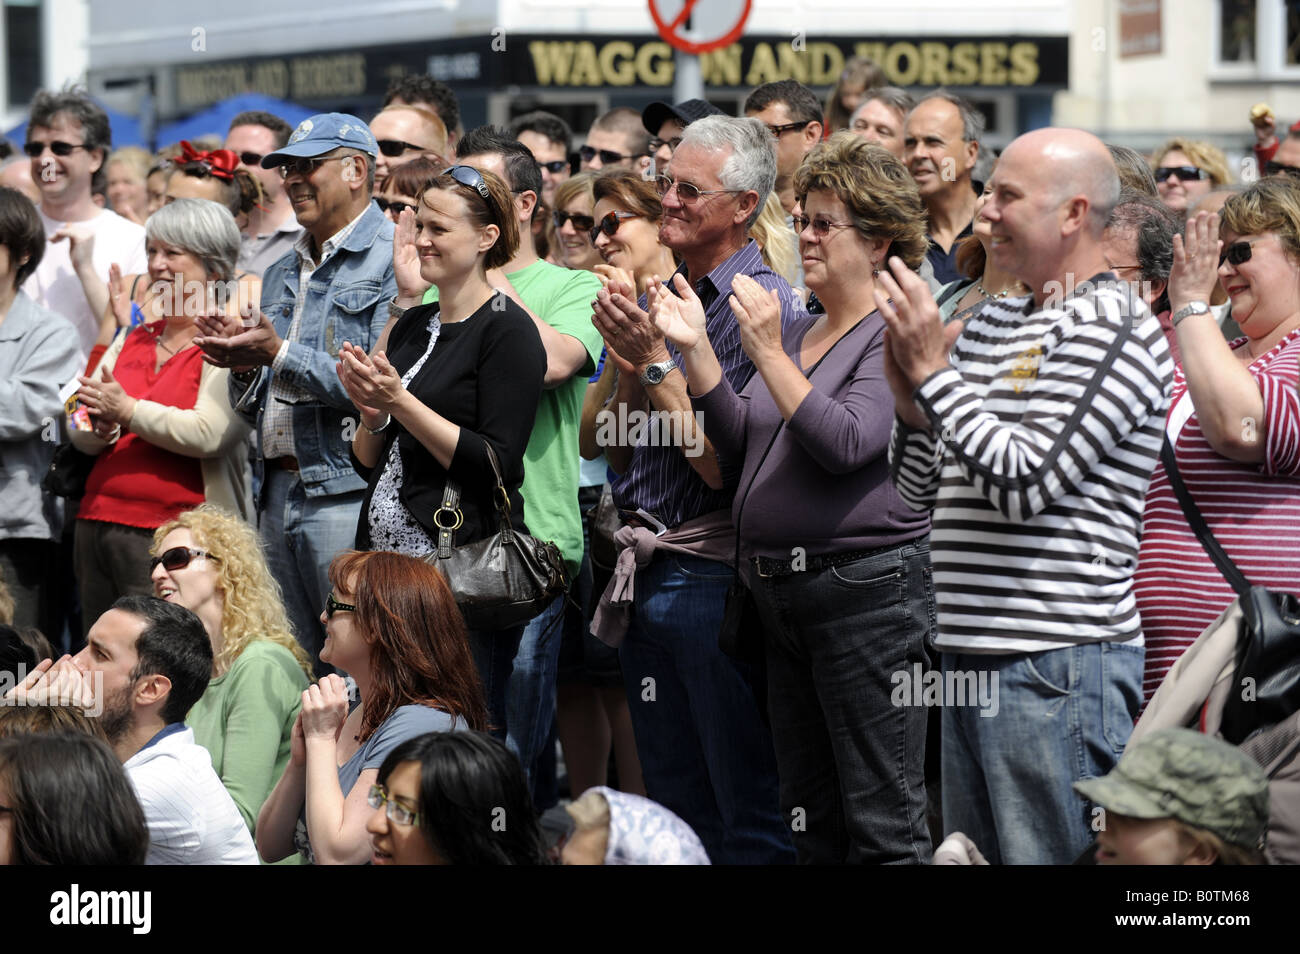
823, 406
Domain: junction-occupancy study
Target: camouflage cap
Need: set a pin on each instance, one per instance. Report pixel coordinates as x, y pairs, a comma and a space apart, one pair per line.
1199, 780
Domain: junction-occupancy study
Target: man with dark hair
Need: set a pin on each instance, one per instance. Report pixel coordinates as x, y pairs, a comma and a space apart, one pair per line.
427, 91
1139, 247
941, 146
793, 115
68, 140
617, 140
547, 137
147, 662
272, 229
559, 302
335, 285
665, 123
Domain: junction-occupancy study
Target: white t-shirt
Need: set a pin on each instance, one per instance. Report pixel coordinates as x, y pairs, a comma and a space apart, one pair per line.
55, 284
191, 817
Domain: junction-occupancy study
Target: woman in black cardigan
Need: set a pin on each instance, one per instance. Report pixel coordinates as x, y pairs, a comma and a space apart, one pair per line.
448, 380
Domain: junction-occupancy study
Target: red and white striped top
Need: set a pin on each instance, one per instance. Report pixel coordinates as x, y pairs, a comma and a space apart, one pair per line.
1253, 510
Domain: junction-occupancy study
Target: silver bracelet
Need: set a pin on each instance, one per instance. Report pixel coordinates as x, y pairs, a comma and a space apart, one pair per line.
388, 419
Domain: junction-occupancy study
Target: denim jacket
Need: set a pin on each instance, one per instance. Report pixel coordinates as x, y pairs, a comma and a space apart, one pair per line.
347, 300
39, 354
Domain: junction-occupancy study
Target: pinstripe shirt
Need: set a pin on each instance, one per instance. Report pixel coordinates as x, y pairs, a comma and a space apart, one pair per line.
659, 479
1046, 430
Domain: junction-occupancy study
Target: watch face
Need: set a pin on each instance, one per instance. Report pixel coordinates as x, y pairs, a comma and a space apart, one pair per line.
654, 374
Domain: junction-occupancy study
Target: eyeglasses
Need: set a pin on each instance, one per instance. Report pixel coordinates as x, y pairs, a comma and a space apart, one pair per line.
1238, 253
1272, 168
397, 208
555, 166
396, 811
777, 131
251, 158
607, 156
609, 224
685, 191
305, 166
581, 223
656, 144
1181, 173
178, 558
821, 227
471, 178
392, 148
57, 147
333, 606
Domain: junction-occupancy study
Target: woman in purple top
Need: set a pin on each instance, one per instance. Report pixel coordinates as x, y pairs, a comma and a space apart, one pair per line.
838, 564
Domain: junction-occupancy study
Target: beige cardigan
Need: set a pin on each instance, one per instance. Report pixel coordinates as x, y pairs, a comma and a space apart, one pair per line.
211, 431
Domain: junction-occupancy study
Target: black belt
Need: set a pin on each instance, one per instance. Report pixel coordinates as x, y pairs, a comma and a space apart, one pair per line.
767, 567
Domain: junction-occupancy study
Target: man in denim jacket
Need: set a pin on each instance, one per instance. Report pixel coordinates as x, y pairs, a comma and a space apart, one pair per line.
334, 287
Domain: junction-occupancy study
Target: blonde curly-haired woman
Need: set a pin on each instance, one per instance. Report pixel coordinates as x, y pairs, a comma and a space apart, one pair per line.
211, 563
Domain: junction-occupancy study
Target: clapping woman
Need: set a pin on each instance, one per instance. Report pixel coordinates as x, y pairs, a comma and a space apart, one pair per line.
855, 604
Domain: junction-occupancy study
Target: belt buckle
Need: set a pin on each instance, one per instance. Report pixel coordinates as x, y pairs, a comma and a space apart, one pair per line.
760, 567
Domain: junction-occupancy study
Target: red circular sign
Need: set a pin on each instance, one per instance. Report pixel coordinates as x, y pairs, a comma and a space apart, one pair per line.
669, 30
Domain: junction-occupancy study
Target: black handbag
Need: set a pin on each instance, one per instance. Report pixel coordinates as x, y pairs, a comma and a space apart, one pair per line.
68, 472
1268, 647
504, 580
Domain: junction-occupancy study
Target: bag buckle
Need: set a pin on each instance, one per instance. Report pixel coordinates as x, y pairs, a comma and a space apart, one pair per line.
460, 518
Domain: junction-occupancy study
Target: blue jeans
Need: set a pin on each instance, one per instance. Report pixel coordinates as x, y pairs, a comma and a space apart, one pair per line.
704, 750
301, 536
1060, 716
530, 699
494, 657
851, 761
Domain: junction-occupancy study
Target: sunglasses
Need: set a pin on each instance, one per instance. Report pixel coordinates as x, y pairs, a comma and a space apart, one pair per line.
656, 144
396, 811
57, 147
178, 558
397, 208
469, 177
333, 606
607, 156
1238, 253
685, 191
1272, 168
778, 131
305, 166
581, 223
392, 148
609, 224
555, 166
821, 227
1181, 173
251, 158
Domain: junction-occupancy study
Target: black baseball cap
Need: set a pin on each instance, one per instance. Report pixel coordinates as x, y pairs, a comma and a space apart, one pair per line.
656, 114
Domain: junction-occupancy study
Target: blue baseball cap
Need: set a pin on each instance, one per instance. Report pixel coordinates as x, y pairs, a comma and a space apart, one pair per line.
322, 133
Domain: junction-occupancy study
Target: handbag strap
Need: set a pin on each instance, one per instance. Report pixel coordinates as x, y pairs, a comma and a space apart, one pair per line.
1197, 522
451, 504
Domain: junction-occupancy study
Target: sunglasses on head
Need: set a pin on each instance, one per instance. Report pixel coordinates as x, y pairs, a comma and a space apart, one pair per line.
581, 223
397, 208
57, 147
609, 224
1238, 253
555, 166
1181, 173
607, 156
178, 558
1272, 168
333, 606
306, 165
392, 148
470, 177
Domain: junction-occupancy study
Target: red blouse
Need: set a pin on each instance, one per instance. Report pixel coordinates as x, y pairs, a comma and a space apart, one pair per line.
134, 482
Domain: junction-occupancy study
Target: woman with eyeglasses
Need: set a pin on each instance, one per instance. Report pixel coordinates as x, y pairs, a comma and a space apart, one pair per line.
211, 562
448, 381
837, 563
214, 176
157, 417
1234, 422
1186, 170
392, 624
625, 232
453, 798
403, 184
573, 220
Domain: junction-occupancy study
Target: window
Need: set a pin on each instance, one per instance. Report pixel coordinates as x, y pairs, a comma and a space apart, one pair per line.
1236, 31
22, 49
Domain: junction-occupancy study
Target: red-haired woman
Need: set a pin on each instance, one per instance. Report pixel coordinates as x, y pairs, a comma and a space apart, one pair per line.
392, 624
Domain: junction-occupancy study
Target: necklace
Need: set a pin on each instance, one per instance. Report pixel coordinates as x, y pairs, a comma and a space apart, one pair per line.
979, 287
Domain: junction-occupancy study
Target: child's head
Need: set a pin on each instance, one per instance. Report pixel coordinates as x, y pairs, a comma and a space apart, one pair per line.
1178, 797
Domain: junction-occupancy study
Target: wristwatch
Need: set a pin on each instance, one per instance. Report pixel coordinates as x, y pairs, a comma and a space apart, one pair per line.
1191, 308
654, 373
395, 310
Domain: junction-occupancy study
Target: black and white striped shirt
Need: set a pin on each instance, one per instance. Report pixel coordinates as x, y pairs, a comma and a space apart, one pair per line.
1047, 428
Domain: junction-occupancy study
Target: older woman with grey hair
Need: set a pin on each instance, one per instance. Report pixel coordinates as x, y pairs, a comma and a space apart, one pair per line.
158, 417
